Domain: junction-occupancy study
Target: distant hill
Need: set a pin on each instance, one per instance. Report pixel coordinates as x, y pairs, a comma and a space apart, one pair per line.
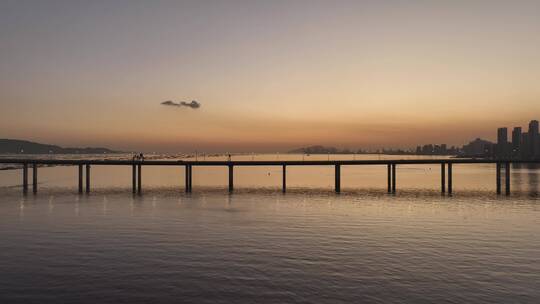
315, 150
14, 146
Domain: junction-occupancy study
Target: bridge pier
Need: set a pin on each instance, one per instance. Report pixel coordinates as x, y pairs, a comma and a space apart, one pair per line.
87, 178
80, 185
188, 178
443, 178
337, 182
231, 178
139, 179
34, 178
133, 178
450, 178
389, 177
25, 178
394, 178
284, 177
507, 178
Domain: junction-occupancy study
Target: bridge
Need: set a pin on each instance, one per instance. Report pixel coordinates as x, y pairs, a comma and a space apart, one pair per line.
84, 167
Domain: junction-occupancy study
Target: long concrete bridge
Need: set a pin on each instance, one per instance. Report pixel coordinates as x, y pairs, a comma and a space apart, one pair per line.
84, 167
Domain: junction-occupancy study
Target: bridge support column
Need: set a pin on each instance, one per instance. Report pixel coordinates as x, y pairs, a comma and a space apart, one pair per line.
393, 178
139, 179
389, 177
498, 177
87, 178
450, 178
507, 178
25, 178
34, 178
231, 178
134, 178
284, 176
186, 181
188, 178
443, 178
80, 185
337, 186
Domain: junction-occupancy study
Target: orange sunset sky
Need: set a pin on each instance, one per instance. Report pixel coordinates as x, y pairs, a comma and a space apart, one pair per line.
269, 75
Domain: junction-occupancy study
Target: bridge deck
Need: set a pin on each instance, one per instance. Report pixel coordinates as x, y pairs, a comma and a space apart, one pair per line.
261, 162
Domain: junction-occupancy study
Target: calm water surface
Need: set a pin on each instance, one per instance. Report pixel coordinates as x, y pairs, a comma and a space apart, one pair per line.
258, 245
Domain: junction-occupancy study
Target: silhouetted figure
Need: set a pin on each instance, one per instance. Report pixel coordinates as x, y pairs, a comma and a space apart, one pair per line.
141, 156
229, 158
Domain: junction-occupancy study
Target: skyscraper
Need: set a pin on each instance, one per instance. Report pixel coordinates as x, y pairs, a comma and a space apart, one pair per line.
516, 142
534, 140
502, 136
516, 138
533, 126
502, 142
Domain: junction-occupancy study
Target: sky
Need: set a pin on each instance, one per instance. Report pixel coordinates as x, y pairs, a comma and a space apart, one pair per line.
268, 75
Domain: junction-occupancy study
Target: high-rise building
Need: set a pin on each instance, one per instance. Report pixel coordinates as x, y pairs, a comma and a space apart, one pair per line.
444, 149
502, 142
516, 142
502, 136
533, 126
516, 138
525, 145
534, 140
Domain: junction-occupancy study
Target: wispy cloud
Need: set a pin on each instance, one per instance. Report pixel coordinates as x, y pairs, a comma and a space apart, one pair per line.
193, 104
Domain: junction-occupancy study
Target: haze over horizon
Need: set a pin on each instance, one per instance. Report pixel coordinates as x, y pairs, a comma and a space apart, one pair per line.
267, 75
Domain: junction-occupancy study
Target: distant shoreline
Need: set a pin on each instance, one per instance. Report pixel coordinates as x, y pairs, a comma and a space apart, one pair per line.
24, 147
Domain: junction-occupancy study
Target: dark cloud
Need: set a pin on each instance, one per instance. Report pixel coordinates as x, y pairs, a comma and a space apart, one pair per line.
193, 104
169, 103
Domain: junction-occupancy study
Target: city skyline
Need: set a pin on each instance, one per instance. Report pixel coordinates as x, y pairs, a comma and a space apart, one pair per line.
522, 145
